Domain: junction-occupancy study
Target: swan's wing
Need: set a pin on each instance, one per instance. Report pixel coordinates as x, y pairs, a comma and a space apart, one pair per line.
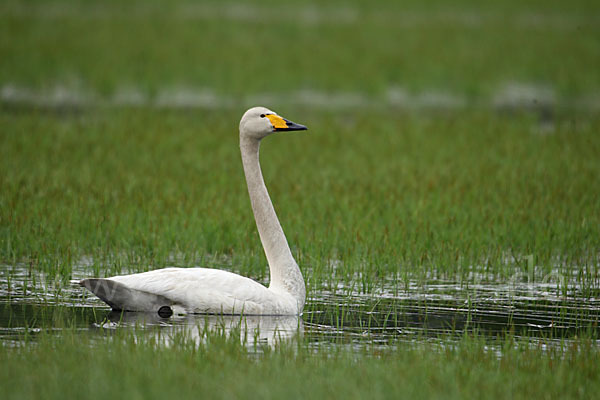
201, 290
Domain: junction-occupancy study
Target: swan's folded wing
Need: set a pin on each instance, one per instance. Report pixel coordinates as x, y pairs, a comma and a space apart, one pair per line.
201, 290
121, 297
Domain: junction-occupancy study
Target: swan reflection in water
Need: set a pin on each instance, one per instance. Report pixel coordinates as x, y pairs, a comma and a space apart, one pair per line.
252, 329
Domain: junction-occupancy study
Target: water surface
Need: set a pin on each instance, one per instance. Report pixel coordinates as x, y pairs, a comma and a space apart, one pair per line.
395, 313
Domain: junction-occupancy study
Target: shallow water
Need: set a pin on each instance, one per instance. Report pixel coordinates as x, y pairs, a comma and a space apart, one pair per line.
439, 311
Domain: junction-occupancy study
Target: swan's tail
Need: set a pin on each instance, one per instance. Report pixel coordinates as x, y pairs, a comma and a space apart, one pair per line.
122, 298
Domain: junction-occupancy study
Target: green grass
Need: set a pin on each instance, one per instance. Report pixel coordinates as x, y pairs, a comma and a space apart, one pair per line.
133, 367
463, 47
382, 194
373, 193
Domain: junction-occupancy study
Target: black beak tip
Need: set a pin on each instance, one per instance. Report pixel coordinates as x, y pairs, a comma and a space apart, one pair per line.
292, 126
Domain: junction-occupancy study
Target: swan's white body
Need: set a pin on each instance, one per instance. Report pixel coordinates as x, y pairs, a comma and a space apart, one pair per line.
211, 291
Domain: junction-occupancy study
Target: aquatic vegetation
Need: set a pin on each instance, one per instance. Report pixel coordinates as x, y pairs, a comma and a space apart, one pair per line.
127, 365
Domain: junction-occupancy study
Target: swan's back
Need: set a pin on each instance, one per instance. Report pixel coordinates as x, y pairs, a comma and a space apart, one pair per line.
191, 290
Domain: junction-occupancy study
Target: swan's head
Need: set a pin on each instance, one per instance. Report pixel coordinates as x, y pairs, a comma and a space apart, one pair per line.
259, 122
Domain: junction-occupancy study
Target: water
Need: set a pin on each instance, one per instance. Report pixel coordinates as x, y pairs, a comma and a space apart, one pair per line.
544, 313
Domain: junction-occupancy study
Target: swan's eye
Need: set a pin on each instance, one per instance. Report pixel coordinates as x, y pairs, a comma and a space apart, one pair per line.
262, 115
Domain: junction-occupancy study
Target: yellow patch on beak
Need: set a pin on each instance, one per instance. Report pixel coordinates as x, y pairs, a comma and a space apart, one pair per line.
277, 121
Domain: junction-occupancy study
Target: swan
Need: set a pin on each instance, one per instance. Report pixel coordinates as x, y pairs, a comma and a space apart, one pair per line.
212, 291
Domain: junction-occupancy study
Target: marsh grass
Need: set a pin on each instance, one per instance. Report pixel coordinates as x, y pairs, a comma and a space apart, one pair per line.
128, 365
361, 197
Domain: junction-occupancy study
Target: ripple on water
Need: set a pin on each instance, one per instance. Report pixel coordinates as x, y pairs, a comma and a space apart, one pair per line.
436, 311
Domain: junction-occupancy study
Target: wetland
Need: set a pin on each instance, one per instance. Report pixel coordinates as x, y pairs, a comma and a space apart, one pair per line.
444, 206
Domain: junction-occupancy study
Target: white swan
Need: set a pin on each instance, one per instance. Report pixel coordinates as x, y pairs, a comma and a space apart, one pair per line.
212, 291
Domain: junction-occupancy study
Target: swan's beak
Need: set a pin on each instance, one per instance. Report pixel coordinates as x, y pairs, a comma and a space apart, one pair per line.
282, 124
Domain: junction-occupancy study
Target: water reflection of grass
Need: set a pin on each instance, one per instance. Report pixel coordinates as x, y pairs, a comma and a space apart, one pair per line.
367, 197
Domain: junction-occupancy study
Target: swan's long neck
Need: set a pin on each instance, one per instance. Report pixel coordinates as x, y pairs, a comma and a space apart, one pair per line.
285, 273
